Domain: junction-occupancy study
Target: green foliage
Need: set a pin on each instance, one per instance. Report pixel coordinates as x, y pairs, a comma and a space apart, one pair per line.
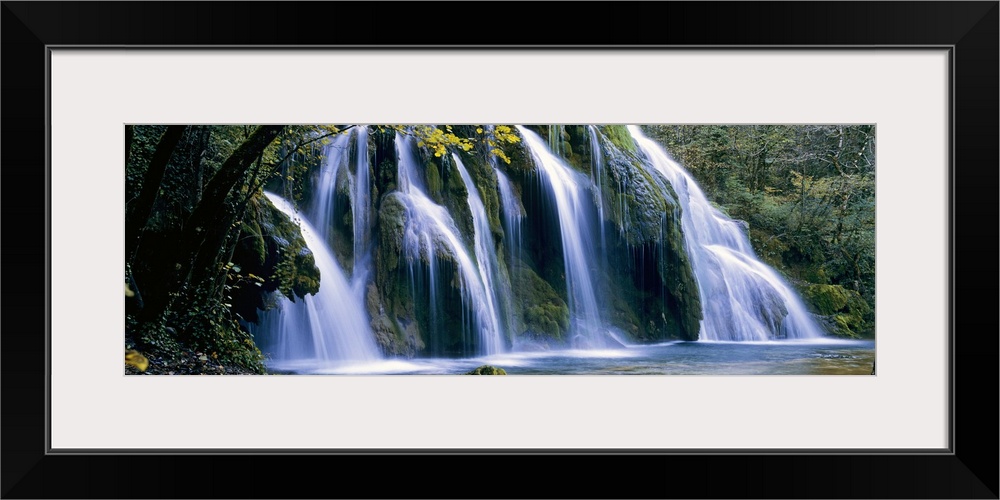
250, 231
199, 307
141, 149
211, 327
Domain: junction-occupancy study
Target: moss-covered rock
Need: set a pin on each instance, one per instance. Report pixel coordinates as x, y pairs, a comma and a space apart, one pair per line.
843, 312
452, 193
434, 182
635, 200
652, 294
405, 318
295, 273
341, 232
485, 178
391, 230
521, 162
393, 339
683, 297
543, 312
383, 157
488, 370
643, 207
270, 255
826, 299
619, 136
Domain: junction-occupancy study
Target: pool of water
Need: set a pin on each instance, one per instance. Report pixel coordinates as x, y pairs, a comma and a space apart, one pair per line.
813, 357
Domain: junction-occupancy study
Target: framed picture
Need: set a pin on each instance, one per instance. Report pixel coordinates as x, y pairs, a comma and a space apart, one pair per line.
923, 74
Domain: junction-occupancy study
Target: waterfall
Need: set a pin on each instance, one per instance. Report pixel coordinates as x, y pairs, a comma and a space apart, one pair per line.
430, 227
597, 177
555, 139
513, 213
486, 254
568, 188
336, 172
325, 329
361, 211
337, 157
742, 298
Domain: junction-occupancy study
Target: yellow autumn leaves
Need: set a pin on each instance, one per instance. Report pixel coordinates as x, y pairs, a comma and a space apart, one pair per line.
439, 140
501, 134
134, 358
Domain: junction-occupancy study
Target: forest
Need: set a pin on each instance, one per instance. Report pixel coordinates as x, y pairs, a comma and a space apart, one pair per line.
291, 249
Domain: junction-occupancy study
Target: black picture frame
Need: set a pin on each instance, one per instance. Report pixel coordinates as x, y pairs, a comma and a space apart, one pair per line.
968, 470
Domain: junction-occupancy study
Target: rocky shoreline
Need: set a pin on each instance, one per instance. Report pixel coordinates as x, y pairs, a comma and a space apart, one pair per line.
186, 362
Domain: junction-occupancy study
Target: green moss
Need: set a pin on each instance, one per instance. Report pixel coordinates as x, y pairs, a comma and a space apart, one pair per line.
549, 319
619, 136
434, 183
391, 227
826, 299
543, 312
387, 176
390, 336
485, 179
342, 228
845, 312
295, 273
644, 208
635, 200
487, 370
521, 162
454, 196
679, 282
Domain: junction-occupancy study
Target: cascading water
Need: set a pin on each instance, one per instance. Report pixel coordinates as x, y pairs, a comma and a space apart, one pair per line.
337, 156
360, 210
337, 172
429, 227
555, 139
486, 254
568, 189
597, 177
513, 213
326, 329
742, 298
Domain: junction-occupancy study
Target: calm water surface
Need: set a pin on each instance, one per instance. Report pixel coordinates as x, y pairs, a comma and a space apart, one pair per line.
813, 357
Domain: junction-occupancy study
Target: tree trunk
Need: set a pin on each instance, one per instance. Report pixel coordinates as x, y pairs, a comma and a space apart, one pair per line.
141, 208
209, 212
